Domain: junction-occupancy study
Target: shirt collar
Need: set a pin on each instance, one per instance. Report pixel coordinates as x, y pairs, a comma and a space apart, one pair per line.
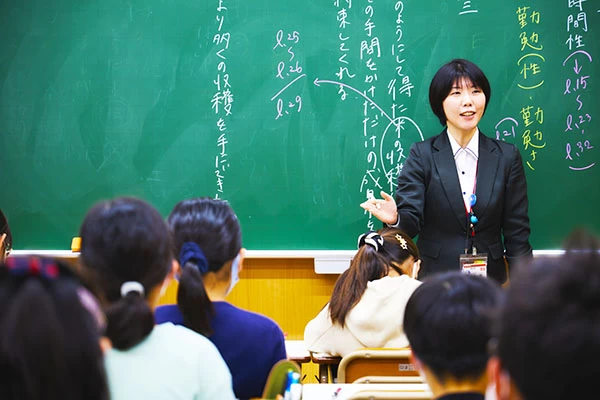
472, 146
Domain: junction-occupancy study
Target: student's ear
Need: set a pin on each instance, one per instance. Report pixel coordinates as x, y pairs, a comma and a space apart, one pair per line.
175, 269
242, 255
105, 344
499, 379
418, 365
172, 274
415, 361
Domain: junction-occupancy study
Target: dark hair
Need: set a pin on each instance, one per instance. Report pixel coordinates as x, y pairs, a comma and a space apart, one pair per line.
450, 74
448, 322
8, 240
126, 240
213, 226
49, 340
548, 332
377, 253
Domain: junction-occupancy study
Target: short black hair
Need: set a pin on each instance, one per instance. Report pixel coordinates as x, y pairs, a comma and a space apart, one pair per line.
548, 332
448, 322
451, 73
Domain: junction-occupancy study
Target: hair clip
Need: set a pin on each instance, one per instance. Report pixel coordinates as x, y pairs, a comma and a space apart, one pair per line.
402, 241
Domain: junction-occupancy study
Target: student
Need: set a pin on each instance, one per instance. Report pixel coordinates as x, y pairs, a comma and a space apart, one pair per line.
5, 237
208, 241
368, 297
547, 338
126, 248
50, 327
448, 322
461, 190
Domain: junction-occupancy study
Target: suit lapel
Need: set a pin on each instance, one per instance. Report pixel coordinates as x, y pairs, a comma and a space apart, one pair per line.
446, 168
486, 173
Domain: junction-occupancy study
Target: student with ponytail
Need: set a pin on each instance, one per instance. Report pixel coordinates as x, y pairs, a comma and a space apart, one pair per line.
50, 328
126, 248
368, 299
208, 241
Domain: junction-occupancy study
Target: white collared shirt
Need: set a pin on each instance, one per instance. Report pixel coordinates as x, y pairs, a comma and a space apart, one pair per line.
466, 165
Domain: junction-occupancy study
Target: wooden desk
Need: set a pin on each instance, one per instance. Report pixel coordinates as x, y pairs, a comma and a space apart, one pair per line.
341, 391
296, 351
327, 366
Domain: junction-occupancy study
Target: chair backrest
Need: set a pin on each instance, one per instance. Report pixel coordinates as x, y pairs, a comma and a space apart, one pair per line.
388, 395
277, 379
389, 379
375, 362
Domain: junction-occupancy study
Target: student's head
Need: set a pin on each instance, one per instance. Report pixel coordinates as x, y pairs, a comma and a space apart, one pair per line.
207, 239
126, 247
448, 323
50, 327
548, 332
455, 73
5, 237
388, 251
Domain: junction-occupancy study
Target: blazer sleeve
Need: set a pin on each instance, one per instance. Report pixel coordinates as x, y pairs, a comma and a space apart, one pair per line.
410, 194
516, 228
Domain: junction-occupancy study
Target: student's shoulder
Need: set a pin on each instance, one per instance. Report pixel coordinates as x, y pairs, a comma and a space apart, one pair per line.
246, 317
180, 336
397, 285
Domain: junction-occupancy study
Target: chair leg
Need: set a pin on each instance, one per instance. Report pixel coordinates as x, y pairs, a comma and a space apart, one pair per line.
323, 373
334, 372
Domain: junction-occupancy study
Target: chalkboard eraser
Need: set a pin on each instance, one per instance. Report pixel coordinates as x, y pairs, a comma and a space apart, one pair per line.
76, 244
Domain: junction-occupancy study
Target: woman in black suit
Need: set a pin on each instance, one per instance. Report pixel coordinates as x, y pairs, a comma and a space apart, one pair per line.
461, 191
5, 237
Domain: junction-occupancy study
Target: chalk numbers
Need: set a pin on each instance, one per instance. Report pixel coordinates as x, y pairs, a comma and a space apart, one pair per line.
282, 109
578, 149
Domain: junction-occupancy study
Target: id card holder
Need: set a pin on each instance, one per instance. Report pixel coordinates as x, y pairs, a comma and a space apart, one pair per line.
475, 264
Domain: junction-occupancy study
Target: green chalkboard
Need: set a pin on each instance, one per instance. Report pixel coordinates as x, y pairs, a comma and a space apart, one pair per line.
291, 110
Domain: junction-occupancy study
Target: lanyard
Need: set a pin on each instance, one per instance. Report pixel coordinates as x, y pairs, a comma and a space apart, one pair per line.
471, 219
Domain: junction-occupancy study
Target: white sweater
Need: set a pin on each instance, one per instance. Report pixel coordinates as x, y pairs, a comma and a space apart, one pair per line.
375, 321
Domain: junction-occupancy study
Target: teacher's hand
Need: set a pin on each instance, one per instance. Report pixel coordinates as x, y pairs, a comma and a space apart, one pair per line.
383, 209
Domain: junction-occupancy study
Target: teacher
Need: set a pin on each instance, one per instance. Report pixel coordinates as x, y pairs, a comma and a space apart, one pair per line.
461, 192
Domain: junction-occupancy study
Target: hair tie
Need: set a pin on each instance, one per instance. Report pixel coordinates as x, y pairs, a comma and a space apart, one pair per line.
33, 266
190, 251
371, 238
132, 286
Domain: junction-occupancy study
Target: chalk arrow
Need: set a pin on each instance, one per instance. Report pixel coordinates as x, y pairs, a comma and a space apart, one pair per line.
577, 68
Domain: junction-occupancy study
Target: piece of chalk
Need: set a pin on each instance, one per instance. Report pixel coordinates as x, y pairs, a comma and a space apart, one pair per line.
76, 244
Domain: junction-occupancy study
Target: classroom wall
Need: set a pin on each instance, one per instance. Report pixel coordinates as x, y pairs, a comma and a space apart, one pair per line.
286, 290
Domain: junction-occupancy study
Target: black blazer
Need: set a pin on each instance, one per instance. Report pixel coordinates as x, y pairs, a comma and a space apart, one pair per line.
430, 205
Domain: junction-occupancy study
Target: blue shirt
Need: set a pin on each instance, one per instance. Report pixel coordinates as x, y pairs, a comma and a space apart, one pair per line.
249, 343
